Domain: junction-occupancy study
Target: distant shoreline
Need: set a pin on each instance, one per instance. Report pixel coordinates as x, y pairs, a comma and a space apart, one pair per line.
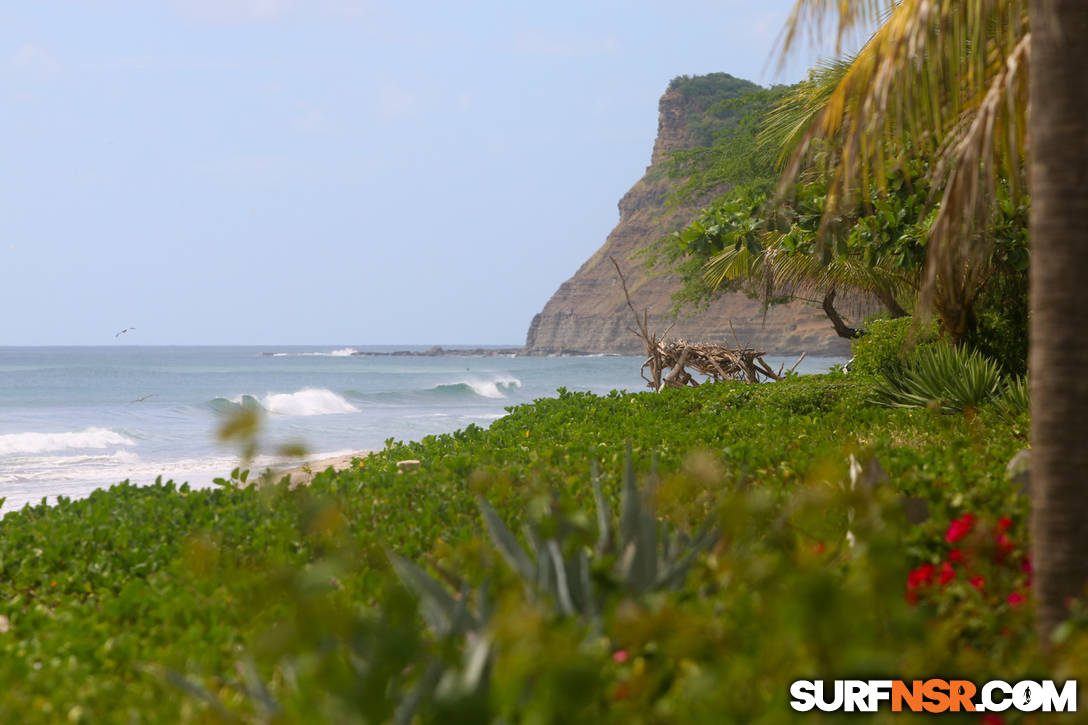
436, 351
439, 351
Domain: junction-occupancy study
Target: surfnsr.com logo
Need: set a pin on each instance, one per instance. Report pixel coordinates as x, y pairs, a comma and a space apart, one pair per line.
933, 696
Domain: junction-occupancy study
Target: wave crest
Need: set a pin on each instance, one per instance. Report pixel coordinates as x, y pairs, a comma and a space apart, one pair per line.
342, 352
308, 401
497, 388
88, 438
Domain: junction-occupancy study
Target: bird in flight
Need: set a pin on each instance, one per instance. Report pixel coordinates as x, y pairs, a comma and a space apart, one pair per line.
140, 400
122, 332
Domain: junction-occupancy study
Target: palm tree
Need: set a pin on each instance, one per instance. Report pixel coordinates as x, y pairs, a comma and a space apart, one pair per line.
948, 80
1059, 304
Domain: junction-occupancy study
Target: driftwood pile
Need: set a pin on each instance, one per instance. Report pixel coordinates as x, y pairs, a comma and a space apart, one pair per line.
669, 364
668, 361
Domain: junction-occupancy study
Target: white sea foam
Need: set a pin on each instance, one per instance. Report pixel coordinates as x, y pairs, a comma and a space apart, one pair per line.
309, 401
342, 352
496, 388
89, 438
77, 476
485, 416
23, 468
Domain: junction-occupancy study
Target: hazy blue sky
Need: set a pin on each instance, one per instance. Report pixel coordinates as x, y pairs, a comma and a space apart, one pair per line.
328, 171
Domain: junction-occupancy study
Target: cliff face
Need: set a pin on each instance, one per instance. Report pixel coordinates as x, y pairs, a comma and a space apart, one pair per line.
588, 313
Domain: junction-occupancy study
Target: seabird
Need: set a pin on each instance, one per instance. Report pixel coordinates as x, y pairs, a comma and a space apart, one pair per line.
140, 400
122, 332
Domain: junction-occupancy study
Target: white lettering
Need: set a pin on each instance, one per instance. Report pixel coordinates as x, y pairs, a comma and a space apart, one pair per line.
1065, 701
856, 699
834, 704
803, 694
879, 690
1027, 696
988, 702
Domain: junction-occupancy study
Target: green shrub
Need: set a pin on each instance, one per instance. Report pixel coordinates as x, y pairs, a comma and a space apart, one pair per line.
887, 345
1001, 330
828, 580
1014, 401
950, 377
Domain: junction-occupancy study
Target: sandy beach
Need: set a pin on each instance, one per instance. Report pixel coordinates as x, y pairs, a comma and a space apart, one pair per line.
303, 474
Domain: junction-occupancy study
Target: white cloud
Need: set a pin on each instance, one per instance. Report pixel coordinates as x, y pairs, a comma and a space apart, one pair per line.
232, 10
36, 61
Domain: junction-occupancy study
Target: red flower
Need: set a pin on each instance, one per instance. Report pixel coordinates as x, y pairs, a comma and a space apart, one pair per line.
619, 656
977, 582
1016, 599
911, 597
819, 547
923, 575
1025, 565
956, 556
1005, 545
991, 719
1004, 523
947, 573
959, 528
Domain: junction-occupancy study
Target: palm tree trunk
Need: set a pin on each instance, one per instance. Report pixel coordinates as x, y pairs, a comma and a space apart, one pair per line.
841, 327
1059, 305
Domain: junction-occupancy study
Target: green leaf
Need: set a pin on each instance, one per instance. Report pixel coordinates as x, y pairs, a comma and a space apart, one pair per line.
438, 605
505, 541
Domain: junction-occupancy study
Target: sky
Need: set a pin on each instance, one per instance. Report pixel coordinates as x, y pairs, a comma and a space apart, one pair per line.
260, 172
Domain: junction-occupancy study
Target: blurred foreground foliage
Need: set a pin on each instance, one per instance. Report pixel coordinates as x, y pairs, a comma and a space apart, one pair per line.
267, 604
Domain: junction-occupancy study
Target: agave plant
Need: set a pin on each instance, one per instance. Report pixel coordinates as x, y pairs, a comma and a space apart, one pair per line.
633, 554
953, 378
1014, 401
641, 554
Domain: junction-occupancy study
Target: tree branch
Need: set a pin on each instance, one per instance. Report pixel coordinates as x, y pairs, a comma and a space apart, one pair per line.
840, 327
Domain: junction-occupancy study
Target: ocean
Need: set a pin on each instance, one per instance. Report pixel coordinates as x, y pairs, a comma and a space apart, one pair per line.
73, 419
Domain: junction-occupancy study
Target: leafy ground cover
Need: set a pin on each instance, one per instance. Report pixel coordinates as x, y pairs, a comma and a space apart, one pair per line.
165, 604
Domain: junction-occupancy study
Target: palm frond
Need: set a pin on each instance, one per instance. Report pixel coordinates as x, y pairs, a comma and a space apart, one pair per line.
732, 263
785, 126
777, 271
851, 19
943, 80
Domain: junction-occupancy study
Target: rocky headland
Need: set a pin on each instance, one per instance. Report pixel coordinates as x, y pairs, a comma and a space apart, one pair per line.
588, 313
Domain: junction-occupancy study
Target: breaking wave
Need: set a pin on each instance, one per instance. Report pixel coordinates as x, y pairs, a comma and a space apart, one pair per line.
88, 438
308, 401
342, 352
497, 388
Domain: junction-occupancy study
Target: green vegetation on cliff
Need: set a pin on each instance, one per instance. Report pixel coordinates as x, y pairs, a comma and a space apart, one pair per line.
870, 247
715, 104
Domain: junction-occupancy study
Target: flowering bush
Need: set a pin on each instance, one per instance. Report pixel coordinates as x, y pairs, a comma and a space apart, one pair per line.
979, 566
